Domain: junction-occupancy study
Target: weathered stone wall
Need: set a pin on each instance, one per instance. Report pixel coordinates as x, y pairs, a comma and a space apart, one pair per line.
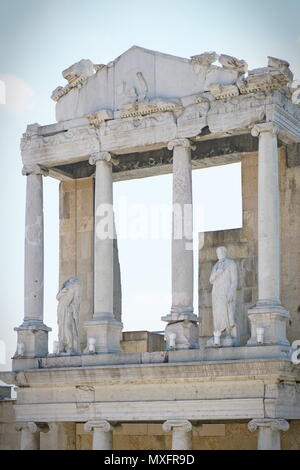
142, 341
242, 247
241, 252
76, 241
9, 437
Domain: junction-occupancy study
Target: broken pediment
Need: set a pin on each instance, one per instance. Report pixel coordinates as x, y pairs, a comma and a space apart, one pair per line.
141, 81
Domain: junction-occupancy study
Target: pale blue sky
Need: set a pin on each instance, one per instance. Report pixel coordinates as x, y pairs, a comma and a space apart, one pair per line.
40, 38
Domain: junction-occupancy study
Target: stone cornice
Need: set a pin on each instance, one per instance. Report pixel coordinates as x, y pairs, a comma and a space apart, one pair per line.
175, 371
72, 141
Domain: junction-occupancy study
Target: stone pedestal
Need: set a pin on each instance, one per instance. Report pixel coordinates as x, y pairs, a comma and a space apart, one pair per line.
102, 434
268, 432
30, 434
181, 433
268, 313
33, 334
104, 328
182, 329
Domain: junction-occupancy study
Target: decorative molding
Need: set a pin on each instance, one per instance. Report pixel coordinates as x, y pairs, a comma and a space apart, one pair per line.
97, 118
145, 108
224, 92
77, 74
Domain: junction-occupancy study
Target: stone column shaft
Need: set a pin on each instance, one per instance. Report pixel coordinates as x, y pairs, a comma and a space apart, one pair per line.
34, 246
102, 434
182, 329
181, 434
268, 318
103, 247
104, 329
268, 432
268, 216
182, 229
33, 334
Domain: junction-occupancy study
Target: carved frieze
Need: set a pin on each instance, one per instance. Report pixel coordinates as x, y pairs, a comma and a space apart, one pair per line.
137, 132
236, 113
193, 119
144, 108
52, 149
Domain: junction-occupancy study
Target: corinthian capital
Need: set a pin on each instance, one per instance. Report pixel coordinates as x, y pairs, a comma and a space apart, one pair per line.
274, 424
268, 127
34, 170
184, 143
177, 424
102, 157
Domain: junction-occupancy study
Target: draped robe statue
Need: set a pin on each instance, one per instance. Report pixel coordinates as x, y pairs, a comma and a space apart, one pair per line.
224, 279
68, 316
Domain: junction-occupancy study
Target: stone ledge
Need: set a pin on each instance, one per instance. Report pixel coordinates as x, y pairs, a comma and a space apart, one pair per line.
198, 356
154, 372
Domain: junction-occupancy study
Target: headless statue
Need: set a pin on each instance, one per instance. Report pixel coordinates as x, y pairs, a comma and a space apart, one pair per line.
224, 280
68, 316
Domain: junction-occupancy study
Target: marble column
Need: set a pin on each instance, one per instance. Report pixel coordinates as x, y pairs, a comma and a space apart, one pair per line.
182, 329
181, 433
30, 434
104, 327
33, 334
102, 434
268, 317
268, 432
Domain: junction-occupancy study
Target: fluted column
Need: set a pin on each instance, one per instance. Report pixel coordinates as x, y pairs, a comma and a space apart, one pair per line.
30, 434
268, 314
268, 432
182, 322
30, 342
181, 433
104, 327
102, 434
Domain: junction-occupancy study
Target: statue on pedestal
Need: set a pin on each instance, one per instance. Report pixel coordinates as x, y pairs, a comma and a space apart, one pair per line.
224, 279
68, 316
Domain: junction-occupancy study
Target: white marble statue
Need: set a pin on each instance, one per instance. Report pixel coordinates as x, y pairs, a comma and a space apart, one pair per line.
68, 316
224, 279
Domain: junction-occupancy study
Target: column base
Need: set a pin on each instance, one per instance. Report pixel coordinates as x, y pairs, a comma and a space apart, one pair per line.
182, 335
106, 333
32, 340
268, 324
